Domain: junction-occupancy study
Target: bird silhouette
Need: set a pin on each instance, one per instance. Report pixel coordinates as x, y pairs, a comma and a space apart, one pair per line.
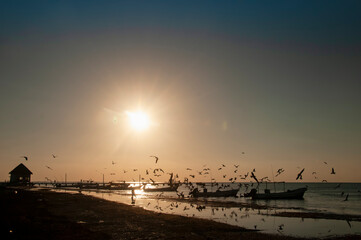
254, 177
333, 171
346, 199
113, 162
279, 171
26, 158
49, 167
156, 158
325, 162
54, 156
299, 176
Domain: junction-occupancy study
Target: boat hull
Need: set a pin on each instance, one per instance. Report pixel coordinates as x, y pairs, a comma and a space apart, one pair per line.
166, 189
229, 193
290, 194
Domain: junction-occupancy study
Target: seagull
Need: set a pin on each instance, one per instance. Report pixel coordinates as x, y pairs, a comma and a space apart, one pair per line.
333, 171
325, 162
156, 158
26, 158
236, 166
299, 176
279, 171
54, 156
346, 199
49, 167
189, 169
254, 177
113, 162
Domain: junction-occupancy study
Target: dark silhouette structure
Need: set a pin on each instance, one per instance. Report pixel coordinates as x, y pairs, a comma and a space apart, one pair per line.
20, 175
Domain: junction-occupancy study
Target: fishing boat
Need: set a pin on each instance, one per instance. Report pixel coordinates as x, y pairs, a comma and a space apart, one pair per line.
226, 193
289, 194
162, 189
171, 188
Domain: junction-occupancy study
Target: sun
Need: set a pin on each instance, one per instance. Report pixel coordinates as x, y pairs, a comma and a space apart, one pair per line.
139, 121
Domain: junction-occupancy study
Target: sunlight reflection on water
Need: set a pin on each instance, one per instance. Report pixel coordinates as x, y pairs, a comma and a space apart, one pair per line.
243, 217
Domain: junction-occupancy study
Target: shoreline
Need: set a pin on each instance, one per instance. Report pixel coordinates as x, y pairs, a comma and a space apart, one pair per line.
43, 214
305, 214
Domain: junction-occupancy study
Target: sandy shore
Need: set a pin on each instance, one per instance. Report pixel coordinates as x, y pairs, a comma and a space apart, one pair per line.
50, 215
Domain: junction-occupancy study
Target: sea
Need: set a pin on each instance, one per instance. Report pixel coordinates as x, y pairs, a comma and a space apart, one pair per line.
342, 200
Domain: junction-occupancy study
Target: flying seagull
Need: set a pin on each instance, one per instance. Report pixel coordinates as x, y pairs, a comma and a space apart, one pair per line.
299, 176
49, 167
54, 156
254, 177
26, 158
156, 158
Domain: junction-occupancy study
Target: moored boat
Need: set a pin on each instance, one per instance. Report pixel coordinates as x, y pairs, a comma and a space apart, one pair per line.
226, 193
162, 189
289, 194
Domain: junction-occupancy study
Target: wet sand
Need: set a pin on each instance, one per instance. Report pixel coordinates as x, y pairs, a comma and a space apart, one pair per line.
52, 215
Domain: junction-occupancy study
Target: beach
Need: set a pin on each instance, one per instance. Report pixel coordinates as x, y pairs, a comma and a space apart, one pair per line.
45, 214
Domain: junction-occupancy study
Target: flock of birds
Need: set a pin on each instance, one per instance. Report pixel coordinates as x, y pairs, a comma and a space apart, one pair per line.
206, 171
158, 172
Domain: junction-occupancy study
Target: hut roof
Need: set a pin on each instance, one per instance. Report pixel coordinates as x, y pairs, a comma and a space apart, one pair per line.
21, 170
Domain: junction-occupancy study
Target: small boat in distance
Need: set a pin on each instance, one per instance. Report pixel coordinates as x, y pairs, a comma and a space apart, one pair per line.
289, 194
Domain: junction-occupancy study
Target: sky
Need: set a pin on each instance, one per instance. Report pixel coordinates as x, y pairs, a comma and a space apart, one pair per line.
264, 85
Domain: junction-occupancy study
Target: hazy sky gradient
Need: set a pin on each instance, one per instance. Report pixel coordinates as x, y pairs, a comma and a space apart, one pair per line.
277, 80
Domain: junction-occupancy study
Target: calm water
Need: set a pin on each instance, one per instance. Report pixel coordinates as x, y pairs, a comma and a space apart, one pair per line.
320, 198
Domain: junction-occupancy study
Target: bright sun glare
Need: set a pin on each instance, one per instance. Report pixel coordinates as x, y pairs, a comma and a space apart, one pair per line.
138, 120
